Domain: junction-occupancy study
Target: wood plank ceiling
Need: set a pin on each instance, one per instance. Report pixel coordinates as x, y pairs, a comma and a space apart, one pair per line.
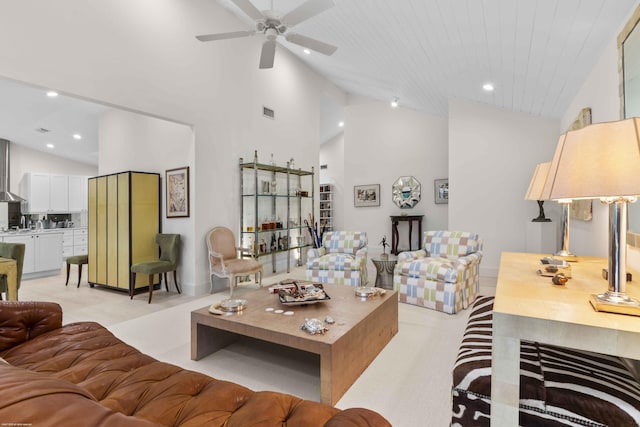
535, 52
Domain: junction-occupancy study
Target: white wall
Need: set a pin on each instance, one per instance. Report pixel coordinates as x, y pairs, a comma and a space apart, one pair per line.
492, 156
130, 141
382, 144
143, 56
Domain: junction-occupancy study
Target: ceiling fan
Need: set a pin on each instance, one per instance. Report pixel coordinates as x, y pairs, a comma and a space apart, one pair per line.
271, 24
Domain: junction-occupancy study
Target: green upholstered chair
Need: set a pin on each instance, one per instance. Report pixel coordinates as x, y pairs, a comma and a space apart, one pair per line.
169, 257
13, 251
78, 260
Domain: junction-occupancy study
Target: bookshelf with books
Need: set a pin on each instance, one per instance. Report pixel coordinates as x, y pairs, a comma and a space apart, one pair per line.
326, 207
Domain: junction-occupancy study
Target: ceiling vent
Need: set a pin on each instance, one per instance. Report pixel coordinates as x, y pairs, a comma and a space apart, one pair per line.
268, 112
43, 130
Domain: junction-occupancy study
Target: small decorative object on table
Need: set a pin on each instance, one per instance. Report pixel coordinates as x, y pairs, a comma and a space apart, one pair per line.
549, 267
369, 292
559, 279
228, 306
313, 326
303, 294
384, 244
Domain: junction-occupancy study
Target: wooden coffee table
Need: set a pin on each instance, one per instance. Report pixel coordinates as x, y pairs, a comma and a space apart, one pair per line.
362, 328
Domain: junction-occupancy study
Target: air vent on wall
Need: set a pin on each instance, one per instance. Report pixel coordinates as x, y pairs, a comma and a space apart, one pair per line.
42, 130
324, 166
268, 112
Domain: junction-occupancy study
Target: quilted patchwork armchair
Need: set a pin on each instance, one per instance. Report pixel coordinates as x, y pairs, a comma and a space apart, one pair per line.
342, 259
444, 275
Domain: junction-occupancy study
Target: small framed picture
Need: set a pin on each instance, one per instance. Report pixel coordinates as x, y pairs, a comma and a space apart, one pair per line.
366, 195
441, 191
177, 183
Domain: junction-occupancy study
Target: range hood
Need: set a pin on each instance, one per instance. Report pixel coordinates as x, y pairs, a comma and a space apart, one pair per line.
5, 194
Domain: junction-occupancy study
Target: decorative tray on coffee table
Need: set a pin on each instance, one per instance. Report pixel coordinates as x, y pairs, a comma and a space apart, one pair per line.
302, 294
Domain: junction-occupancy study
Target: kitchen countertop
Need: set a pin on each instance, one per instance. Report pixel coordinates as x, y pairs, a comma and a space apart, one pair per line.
46, 230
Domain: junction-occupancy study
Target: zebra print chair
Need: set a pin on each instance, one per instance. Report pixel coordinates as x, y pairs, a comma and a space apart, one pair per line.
558, 386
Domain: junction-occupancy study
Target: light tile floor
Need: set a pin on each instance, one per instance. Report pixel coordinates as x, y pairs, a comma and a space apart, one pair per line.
409, 382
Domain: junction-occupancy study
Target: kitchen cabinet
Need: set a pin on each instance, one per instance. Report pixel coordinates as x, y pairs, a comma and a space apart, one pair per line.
58, 193
80, 241
36, 191
74, 242
77, 193
43, 251
49, 193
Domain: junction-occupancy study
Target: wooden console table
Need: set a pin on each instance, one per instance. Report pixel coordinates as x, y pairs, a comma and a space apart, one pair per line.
395, 220
528, 307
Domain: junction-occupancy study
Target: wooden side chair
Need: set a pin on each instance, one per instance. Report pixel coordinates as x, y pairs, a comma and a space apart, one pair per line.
225, 259
169, 256
78, 260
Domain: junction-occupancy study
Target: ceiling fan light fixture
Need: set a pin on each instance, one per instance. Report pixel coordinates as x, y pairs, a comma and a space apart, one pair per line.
394, 103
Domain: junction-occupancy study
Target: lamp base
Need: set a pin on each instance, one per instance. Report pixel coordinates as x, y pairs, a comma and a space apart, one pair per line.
615, 302
541, 219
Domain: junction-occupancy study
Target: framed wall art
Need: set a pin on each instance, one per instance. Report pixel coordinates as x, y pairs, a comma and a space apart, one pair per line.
441, 191
366, 195
177, 184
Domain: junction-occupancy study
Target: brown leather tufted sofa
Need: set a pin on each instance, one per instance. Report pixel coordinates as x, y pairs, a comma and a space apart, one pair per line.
82, 375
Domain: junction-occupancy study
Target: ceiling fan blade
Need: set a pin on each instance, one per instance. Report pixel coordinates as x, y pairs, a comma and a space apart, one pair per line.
268, 54
222, 36
249, 9
306, 10
313, 44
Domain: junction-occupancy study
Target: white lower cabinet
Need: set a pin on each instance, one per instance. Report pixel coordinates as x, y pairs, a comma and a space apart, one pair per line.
43, 252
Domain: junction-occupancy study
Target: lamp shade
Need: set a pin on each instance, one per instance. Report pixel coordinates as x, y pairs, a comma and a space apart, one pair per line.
598, 161
536, 186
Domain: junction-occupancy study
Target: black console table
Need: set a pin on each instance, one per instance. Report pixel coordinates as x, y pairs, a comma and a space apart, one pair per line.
395, 220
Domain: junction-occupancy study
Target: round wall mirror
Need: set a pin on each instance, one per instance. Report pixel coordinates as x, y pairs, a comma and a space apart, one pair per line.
406, 192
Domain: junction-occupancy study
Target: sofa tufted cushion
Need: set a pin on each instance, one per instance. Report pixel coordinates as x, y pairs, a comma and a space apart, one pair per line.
85, 360
20, 322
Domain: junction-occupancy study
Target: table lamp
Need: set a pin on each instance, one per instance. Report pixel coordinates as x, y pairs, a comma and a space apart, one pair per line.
602, 161
535, 189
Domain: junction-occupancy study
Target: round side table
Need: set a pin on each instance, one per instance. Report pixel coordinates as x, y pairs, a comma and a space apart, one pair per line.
384, 271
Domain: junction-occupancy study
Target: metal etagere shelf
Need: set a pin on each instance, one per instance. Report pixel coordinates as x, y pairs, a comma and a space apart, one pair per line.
274, 203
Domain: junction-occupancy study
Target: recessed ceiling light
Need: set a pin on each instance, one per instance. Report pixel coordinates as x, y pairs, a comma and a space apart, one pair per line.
488, 87
307, 51
50, 145
341, 124
52, 94
394, 102
77, 136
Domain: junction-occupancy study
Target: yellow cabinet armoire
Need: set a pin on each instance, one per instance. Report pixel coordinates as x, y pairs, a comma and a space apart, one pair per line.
124, 218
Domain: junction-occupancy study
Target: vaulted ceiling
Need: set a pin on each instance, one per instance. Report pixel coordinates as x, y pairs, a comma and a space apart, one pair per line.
536, 53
